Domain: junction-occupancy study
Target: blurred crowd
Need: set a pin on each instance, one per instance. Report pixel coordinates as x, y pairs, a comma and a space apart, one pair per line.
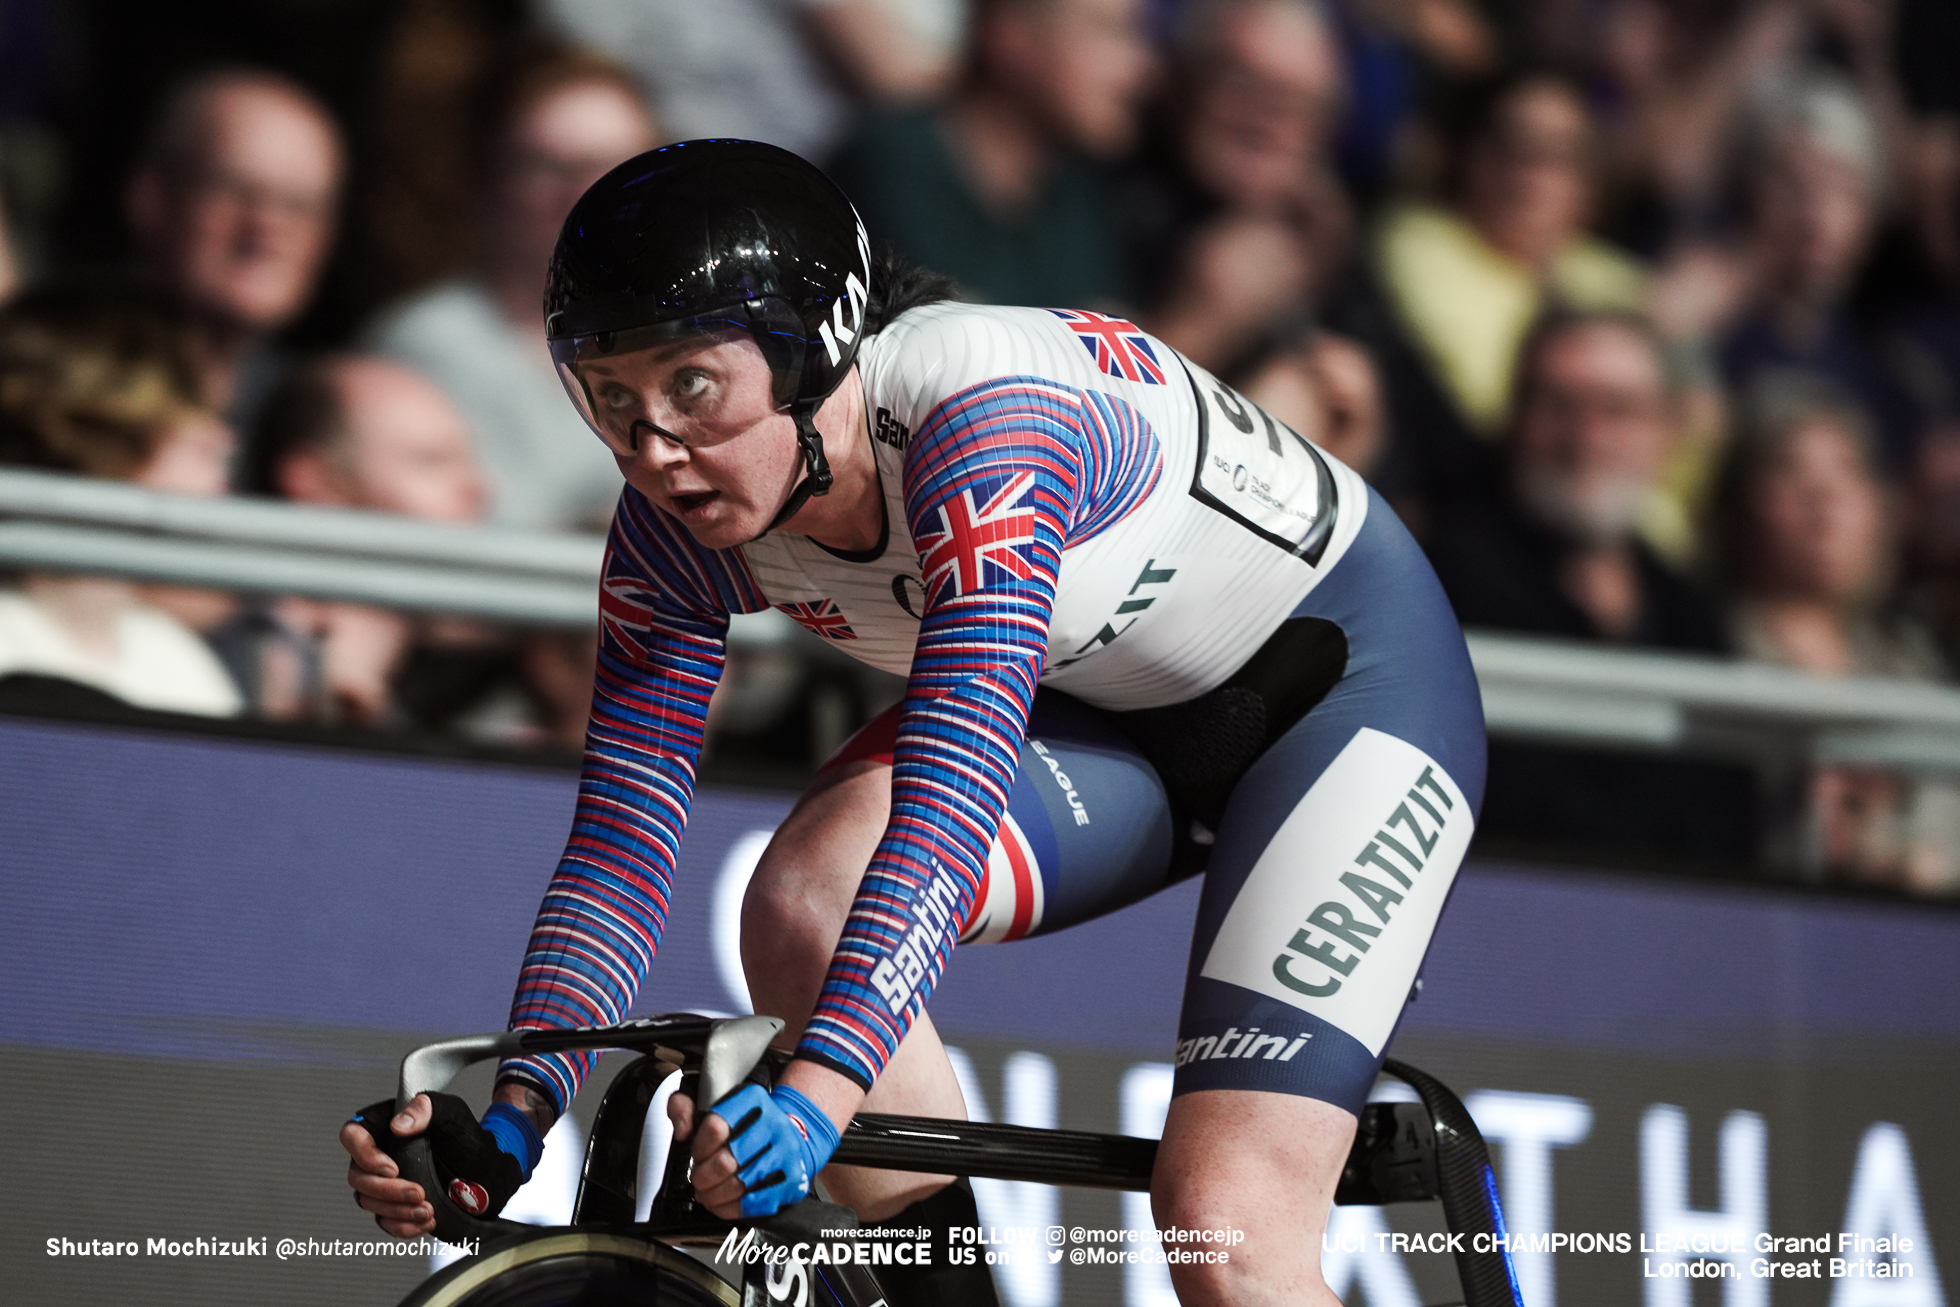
1644, 314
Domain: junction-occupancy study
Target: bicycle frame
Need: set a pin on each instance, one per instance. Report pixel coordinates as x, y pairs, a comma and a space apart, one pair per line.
1403, 1152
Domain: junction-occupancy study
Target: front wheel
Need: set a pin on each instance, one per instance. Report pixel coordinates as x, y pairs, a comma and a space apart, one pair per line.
566, 1268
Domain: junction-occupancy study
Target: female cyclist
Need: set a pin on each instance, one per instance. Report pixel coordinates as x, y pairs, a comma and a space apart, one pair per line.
1147, 632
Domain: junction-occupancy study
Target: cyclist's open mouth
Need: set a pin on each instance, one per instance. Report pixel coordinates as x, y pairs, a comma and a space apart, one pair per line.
689, 506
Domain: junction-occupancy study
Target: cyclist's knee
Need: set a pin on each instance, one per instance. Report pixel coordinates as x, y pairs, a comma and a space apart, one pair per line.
1208, 1208
1240, 1239
1244, 1173
789, 931
785, 905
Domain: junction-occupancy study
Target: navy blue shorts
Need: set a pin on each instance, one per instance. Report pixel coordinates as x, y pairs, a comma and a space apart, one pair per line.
1328, 844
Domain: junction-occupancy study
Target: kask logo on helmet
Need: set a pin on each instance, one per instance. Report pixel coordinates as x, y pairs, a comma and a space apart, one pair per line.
835, 334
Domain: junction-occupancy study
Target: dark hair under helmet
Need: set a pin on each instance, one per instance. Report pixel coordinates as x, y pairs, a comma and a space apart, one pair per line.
708, 235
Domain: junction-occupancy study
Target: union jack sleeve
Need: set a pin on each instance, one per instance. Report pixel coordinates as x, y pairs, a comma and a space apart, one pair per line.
999, 478
663, 620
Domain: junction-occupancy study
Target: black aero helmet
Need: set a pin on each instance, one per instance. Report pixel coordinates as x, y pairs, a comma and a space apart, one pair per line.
704, 236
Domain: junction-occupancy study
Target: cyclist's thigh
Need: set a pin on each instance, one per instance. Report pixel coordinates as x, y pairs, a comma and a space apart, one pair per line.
1087, 828
1338, 847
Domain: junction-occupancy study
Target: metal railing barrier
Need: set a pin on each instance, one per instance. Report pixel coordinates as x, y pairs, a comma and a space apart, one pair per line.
1537, 689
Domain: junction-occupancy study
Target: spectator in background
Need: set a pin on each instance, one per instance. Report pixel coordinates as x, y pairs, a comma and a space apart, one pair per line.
360, 432
781, 71
1933, 198
1552, 549
350, 432
1237, 220
554, 120
888, 51
1679, 74
1807, 553
1934, 518
1398, 51
1804, 537
1814, 171
1470, 279
232, 209
999, 188
1325, 387
109, 385
1237, 217
1464, 282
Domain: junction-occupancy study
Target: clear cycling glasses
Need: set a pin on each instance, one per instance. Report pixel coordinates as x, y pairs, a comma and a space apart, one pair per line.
776, 329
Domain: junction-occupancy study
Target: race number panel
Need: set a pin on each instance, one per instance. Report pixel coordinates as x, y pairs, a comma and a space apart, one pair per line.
1259, 472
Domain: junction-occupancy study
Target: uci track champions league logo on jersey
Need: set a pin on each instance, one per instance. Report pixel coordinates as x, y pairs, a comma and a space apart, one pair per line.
983, 531
1119, 348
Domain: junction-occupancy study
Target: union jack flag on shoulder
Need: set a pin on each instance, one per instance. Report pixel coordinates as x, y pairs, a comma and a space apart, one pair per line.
823, 617
975, 535
1119, 347
626, 613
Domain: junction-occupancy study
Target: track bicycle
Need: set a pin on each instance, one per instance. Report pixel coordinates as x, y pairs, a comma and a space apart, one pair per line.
1403, 1152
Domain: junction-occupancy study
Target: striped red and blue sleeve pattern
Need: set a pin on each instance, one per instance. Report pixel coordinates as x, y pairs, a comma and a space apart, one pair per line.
1000, 478
663, 622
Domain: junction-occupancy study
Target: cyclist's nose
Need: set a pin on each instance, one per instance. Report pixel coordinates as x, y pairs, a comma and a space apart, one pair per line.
656, 449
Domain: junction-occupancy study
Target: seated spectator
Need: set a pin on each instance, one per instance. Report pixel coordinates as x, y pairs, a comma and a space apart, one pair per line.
357, 431
1805, 542
108, 385
1933, 200
1814, 175
1236, 215
1933, 598
1326, 387
554, 121
997, 189
887, 51
1678, 75
1934, 517
1551, 549
1464, 282
351, 432
232, 209
764, 70
1470, 279
1397, 51
360, 432
1237, 220
1806, 550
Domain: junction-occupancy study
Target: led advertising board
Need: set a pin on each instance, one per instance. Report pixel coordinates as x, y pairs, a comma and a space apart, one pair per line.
216, 949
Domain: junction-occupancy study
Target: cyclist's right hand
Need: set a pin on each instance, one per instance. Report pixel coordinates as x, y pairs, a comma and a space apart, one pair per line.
399, 1206
479, 1164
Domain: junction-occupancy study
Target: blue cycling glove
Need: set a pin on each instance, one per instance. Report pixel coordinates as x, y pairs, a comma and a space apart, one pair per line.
780, 1141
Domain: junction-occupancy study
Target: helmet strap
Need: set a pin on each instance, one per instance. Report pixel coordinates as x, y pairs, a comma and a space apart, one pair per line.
816, 480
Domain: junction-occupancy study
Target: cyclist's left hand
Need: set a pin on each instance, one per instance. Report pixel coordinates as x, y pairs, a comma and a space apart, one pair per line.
755, 1152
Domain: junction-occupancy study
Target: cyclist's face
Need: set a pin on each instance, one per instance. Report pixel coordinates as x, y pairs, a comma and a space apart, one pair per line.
694, 427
